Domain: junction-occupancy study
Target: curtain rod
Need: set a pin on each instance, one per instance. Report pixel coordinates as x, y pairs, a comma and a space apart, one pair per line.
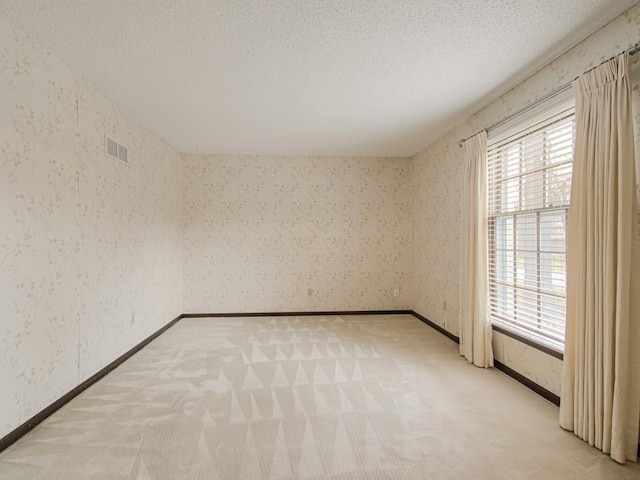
631, 51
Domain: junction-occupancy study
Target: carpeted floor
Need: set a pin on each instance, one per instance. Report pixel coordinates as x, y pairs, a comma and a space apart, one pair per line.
335, 397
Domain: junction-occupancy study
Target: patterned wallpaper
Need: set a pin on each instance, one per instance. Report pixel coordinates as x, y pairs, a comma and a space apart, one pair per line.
94, 254
435, 192
260, 232
89, 248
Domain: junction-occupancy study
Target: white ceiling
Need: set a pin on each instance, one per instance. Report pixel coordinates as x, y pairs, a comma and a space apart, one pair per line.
314, 77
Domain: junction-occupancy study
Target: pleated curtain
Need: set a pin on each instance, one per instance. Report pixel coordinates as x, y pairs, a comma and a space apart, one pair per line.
600, 389
475, 327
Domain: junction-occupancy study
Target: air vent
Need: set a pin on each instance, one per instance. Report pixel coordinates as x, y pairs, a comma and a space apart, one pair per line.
115, 150
122, 153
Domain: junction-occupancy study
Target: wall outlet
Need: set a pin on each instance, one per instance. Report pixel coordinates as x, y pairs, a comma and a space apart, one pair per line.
133, 318
310, 292
396, 292
444, 305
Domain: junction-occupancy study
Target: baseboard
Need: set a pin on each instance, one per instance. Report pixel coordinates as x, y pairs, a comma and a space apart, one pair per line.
23, 429
539, 389
38, 418
435, 326
300, 314
20, 431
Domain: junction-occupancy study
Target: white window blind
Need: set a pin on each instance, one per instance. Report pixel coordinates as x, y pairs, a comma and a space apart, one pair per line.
529, 169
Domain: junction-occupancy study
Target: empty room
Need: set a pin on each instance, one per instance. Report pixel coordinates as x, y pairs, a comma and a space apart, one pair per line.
319, 239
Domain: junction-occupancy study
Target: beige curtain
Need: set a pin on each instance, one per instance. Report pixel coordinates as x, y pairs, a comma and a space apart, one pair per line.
599, 393
475, 327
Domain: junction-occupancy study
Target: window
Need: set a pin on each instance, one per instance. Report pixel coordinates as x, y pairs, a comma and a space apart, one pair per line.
529, 169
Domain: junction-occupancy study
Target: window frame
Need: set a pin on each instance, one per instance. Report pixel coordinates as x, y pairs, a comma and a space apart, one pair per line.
540, 120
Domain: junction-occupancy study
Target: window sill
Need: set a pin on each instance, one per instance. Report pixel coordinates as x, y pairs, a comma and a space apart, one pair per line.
527, 341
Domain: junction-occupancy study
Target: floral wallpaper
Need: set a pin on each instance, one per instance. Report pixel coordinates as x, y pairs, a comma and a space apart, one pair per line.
38, 234
95, 255
435, 192
89, 247
295, 234
130, 237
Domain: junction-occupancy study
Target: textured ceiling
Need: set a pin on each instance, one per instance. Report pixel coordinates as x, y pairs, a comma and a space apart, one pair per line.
317, 77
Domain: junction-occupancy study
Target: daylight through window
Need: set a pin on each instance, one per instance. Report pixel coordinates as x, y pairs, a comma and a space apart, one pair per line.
529, 182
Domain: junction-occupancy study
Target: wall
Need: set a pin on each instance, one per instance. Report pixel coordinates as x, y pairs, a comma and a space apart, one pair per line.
435, 191
90, 258
91, 251
259, 232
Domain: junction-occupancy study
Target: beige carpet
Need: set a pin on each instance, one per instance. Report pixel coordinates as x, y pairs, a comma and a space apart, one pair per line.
371, 397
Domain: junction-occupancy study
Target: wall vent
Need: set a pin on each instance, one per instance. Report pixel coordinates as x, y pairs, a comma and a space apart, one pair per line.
116, 150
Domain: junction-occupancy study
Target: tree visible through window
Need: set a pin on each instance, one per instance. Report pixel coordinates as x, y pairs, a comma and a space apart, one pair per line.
529, 183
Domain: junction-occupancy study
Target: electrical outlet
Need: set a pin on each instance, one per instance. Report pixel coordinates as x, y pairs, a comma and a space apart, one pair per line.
396, 292
133, 318
444, 305
310, 292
